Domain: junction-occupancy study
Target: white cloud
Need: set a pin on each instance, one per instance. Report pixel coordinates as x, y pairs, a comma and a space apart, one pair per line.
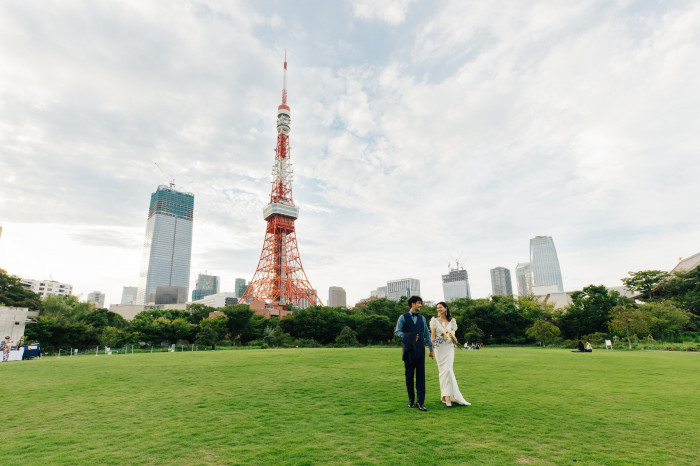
391, 11
468, 128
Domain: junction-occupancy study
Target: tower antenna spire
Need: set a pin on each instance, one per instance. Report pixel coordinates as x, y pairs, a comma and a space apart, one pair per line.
284, 80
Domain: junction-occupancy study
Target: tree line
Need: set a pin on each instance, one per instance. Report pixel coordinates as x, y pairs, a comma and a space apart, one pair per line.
666, 307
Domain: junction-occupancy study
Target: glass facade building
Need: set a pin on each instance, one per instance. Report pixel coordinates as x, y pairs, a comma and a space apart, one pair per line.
240, 285
206, 285
167, 248
500, 282
544, 263
455, 285
523, 277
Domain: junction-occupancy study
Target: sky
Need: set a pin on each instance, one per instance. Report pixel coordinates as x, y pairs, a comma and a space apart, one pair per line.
422, 133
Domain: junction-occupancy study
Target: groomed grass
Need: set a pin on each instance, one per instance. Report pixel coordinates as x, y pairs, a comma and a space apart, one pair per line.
349, 406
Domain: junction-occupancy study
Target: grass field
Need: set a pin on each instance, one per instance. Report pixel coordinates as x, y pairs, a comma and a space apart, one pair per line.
349, 406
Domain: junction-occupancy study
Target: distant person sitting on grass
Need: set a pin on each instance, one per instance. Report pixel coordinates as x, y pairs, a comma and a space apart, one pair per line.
579, 348
589, 348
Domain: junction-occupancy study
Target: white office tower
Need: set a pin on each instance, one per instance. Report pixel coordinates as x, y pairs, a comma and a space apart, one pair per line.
455, 284
129, 294
97, 298
544, 263
168, 245
404, 287
46, 287
380, 292
523, 277
336, 297
500, 282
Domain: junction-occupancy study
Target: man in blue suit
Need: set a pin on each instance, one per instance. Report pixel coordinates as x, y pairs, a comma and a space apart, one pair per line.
413, 330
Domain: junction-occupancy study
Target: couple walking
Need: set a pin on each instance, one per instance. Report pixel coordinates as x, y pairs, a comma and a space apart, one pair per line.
413, 330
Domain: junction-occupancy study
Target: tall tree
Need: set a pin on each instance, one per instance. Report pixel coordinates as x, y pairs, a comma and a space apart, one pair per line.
644, 281
628, 320
13, 294
589, 311
666, 318
544, 331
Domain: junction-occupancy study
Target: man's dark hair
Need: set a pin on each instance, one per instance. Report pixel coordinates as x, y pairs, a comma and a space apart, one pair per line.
414, 299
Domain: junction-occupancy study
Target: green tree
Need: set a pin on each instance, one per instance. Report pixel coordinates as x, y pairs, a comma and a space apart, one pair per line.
13, 294
589, 311
347, 337
645, 281
473, 334
543, 331
628, 320
238, 319
114, 337
211, 331
683, 288
666, 318
374, 329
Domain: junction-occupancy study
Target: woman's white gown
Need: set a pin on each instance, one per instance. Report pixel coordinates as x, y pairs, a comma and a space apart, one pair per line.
445, 355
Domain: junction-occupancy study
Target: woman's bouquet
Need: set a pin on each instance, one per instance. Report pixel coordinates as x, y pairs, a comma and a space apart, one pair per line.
446, 337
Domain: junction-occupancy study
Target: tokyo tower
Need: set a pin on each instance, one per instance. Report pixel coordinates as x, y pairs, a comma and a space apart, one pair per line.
280, 278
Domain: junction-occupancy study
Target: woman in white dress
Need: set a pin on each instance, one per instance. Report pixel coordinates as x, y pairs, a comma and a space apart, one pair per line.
442, 333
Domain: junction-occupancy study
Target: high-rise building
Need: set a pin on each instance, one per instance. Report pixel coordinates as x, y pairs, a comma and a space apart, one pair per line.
336, 297
46, 287
523, 277
240, 287
455, 284
129, 294
500, 282
546, 274
206, 285
168, 245
404, 287
98, 298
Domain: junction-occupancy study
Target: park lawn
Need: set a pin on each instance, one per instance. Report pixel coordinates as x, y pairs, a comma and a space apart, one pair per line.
326, 405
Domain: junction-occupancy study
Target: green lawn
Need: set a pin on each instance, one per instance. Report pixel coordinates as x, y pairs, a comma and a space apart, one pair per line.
349, 406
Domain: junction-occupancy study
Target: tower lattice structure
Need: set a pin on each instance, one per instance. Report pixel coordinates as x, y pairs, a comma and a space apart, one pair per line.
280, 278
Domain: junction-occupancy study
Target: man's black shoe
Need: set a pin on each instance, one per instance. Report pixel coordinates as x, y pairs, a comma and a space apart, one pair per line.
411, 404
421, 407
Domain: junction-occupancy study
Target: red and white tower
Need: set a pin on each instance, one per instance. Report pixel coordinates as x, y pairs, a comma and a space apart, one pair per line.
280, 278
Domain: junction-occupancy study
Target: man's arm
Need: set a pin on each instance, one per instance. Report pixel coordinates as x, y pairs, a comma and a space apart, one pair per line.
399, 327
426, 335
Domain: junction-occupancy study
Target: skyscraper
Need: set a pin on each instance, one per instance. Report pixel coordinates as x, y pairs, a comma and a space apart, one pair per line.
240, 287
546, 274
206, 285
336, 297
168, 245
500, 282
523, 277
455, 284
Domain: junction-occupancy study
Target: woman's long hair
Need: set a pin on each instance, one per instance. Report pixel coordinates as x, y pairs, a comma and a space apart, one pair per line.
447, 308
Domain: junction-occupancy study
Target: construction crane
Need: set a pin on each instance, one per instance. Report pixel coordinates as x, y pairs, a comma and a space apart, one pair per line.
171, 180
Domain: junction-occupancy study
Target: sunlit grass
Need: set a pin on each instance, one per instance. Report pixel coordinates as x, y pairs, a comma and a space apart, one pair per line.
349, 406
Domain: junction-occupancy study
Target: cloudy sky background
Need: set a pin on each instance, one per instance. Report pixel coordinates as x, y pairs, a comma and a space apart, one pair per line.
422, 132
